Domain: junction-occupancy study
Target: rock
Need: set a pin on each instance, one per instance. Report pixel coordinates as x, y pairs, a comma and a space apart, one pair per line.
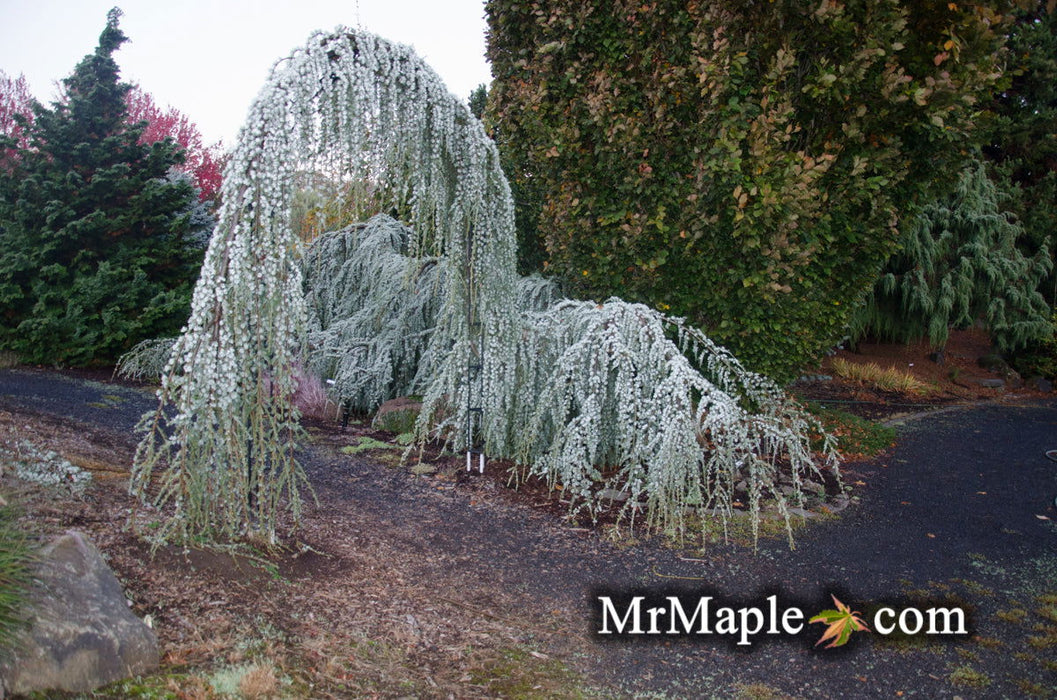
1040, 384
809, 378
996, 364
814, 487
82, 634
719, 512
992, 362
838, 504
991, 383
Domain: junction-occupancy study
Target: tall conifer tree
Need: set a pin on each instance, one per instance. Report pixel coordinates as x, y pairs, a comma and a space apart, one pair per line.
94, 251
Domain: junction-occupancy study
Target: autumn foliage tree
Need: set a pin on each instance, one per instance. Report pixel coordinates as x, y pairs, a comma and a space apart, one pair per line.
15, 99
745, 165
204, 164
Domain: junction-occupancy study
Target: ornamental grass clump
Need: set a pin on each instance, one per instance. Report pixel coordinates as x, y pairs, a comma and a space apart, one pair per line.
884, 378
16, 576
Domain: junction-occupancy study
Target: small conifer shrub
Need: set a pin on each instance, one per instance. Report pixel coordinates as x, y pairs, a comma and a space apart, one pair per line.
99, 244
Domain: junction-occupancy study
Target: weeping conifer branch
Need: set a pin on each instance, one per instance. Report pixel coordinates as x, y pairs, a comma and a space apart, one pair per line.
587, 395
373, 310
350, 108
618, 397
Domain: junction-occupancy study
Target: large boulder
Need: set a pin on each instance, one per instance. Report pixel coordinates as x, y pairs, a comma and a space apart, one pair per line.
82, 634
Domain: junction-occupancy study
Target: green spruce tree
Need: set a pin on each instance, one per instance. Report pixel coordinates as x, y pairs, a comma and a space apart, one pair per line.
94, 239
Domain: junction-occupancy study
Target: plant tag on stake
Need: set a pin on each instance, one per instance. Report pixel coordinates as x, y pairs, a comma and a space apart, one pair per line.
480, 461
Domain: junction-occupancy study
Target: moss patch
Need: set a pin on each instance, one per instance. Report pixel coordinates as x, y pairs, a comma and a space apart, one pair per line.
522, 673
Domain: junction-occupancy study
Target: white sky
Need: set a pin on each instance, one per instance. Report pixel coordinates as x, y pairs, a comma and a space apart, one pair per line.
209, 58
